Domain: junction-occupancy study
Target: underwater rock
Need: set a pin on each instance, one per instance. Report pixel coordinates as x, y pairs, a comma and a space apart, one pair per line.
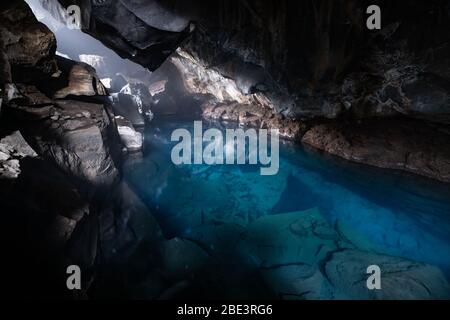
401, 279
220, 240
357, 239
302, 238
243, 195
298, 282
301, 257
182, 259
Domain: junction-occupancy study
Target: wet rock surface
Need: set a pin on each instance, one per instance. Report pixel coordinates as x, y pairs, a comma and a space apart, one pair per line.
402, 279
289, 256
44, 206
28, 47
13, 148
251, 115
74, 79
305, 258
391, 143
141, 32
54, 171
131, 139
74, 135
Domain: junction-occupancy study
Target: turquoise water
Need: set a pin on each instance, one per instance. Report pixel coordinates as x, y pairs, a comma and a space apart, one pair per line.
389, 211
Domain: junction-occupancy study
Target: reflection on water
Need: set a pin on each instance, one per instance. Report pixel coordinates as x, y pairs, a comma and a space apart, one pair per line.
397, 213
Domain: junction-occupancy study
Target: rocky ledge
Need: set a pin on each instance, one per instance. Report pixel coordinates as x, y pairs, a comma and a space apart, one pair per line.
396, 143
253, 116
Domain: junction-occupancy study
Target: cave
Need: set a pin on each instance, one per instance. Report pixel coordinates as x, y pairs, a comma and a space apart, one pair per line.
353, 123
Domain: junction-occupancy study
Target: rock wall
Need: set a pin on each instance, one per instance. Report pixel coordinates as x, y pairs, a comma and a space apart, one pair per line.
145, 32
401, 144
56, 170
296, 64
306, 58
317, 59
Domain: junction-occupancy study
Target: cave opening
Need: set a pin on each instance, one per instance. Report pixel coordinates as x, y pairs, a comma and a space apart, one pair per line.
363, 156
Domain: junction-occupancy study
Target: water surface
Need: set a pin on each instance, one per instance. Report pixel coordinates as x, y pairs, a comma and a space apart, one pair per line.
397, 213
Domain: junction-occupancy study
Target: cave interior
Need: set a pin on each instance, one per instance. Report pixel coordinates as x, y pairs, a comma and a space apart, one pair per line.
363, 116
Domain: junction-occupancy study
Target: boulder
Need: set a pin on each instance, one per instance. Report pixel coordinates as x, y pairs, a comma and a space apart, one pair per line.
124, 28
396, 143
28, 46
117, 83
125, 223
79, 137
128, 107
131, 139
300, 256
13, 148
183, 259
400, 279
75, 79
301, 238
99, 63
44, 209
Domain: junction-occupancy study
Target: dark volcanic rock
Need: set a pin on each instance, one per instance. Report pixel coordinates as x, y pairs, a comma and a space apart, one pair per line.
60, 194
131, 139
42, 209
28, 46
13, 148
253, 116
258, 51
29, 95
124, 27
127, 106
401, 280
125, 223
300, 256
75, 79
5, 67
401, 144
77, 136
